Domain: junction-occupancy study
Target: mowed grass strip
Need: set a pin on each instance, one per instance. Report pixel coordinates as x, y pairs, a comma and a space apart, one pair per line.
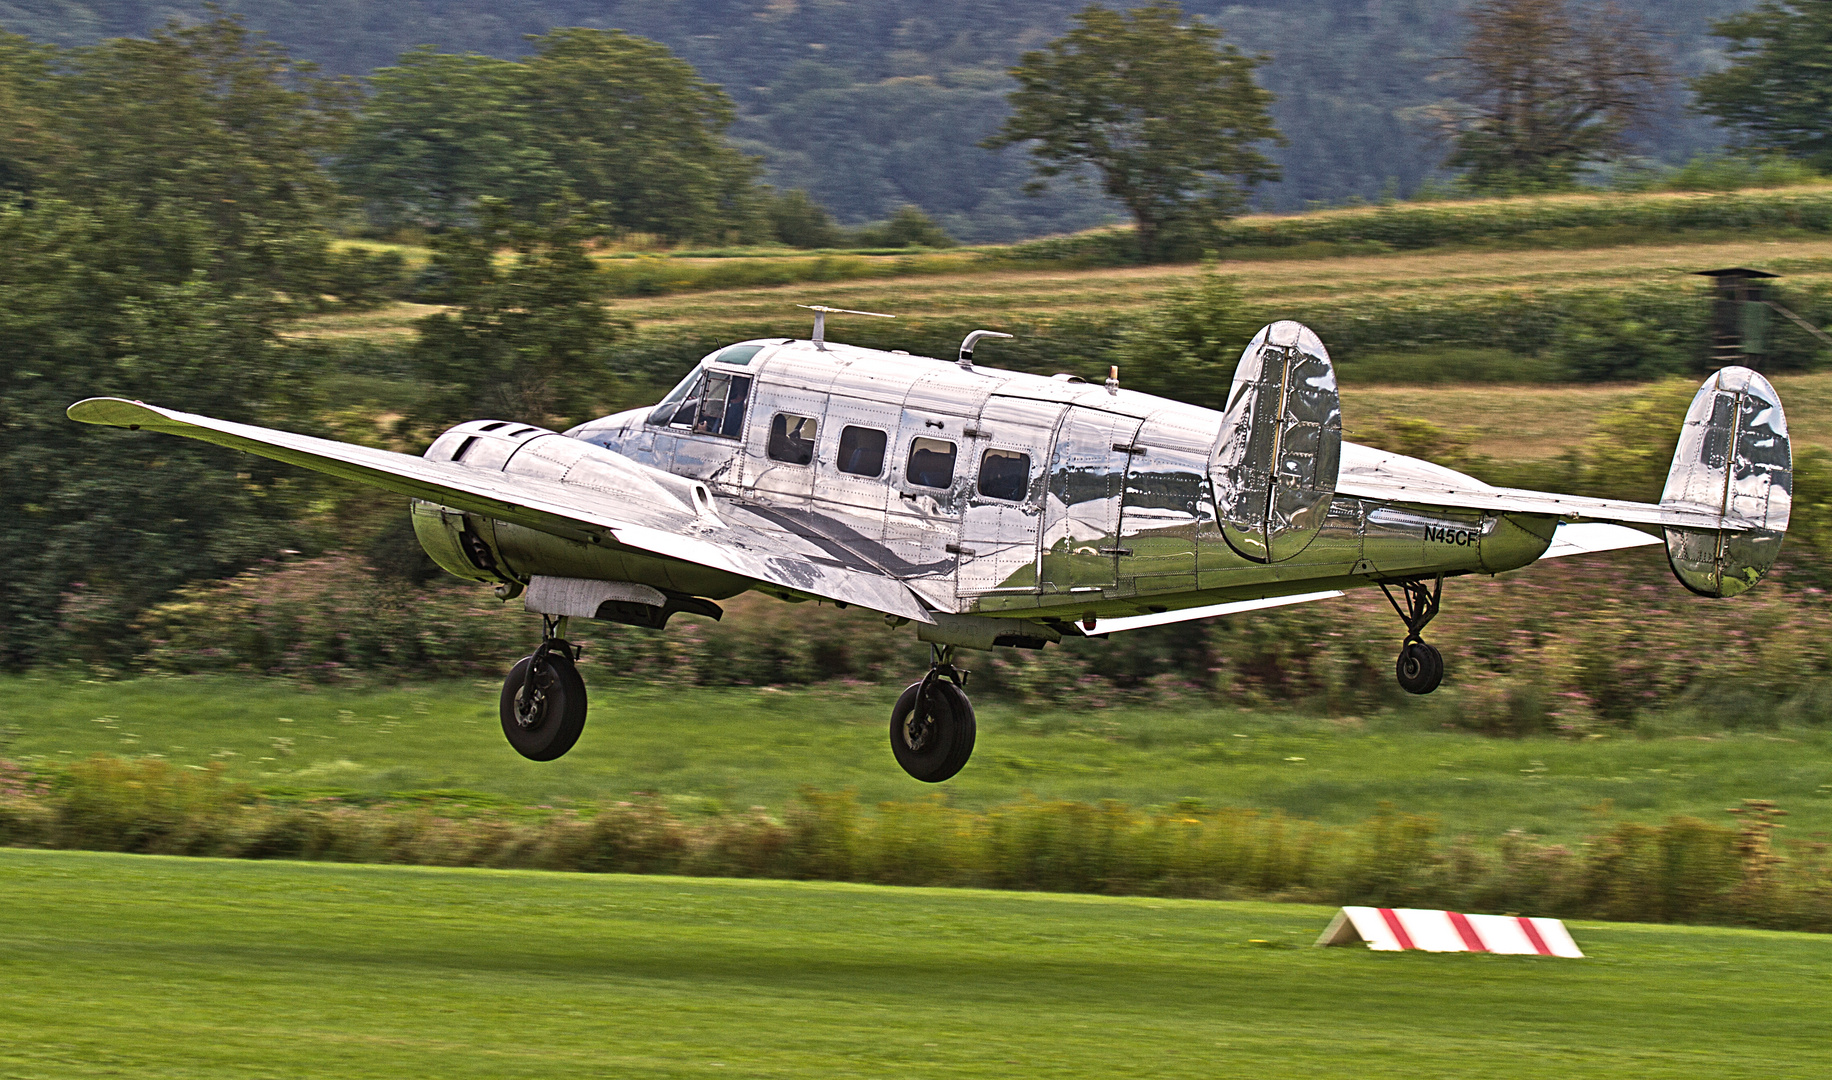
730, 749
153, 967
1296, 284
1292, 282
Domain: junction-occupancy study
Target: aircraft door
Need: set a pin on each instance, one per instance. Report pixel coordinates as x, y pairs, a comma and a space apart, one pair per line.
930, 475
1081, 510
1166, 505
1001, 525
782, 442
853, 461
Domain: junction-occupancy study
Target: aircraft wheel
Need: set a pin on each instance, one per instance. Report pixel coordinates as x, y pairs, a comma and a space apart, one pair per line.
935, 747
543, 714
1420, 668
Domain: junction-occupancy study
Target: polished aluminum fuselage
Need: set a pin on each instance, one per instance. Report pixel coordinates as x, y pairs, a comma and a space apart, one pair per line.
1117, 517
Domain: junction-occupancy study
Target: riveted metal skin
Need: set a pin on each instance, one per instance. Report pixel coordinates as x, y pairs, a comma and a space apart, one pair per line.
922, 488
1275, 461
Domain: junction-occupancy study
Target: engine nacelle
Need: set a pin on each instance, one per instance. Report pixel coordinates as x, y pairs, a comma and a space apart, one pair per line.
479, 548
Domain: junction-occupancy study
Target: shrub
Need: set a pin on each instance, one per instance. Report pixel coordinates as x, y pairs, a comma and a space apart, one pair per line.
1684, 870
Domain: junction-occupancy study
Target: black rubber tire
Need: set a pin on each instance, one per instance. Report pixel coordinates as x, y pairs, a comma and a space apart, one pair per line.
942, 747
1420, 667
561, 708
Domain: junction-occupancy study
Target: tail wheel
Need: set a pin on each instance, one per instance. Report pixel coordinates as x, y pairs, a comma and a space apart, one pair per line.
543, 704
935, 745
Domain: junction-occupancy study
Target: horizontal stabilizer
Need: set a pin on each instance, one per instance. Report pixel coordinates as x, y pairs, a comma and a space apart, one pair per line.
1589, 537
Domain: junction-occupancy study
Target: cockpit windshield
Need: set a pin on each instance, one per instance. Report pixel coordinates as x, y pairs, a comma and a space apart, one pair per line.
687, 391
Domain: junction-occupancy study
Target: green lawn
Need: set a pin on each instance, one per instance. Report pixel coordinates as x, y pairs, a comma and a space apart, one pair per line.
740, 748
150, 967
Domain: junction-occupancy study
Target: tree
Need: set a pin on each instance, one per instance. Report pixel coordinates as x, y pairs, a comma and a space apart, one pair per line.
612, 120
1777, 92
529, 337
1188, 347
166, 214
636, 131
438, 132
28, 145
1165, 116
1544, 91
103, 523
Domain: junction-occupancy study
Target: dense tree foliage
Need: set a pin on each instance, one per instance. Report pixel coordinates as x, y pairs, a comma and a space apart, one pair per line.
871, 104
527, 336
612, 119
1547, 89
101, 523
1776, 94
1169, 119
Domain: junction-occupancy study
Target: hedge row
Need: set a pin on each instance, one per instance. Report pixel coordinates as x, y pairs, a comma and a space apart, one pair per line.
1684, 870
1633, 218
1574, 646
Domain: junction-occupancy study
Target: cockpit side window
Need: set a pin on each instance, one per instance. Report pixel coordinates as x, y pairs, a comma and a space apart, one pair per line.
722, 405
931, 463
792, 439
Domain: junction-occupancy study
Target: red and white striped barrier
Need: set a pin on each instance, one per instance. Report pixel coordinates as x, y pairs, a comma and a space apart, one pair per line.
1397, 929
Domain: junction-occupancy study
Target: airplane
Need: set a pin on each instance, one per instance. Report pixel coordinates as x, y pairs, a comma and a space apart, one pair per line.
996, 509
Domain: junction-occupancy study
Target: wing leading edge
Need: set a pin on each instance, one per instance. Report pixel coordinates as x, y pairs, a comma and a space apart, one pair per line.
647, 525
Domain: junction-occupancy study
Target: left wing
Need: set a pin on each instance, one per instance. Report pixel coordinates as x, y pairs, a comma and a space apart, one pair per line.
640, 514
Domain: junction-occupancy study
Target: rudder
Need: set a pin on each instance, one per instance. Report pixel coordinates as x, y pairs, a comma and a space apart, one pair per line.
1733, 459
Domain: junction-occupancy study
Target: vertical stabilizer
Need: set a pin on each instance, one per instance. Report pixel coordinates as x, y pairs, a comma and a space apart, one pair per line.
1274, 466
1734, 460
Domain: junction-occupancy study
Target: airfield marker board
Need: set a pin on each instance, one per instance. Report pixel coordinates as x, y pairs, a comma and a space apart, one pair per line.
1402, 929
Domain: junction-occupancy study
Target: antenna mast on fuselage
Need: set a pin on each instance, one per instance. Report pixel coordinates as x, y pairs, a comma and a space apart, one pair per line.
821, 311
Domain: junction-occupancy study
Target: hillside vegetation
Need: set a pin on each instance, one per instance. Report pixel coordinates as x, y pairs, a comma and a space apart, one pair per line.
867, 104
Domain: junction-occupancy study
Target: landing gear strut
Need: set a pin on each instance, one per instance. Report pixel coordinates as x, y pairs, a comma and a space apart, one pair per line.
932, 726
1420, 666
543, 702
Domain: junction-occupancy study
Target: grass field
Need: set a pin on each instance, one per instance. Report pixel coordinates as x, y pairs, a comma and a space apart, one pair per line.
1289, 283
150, 967
732, 749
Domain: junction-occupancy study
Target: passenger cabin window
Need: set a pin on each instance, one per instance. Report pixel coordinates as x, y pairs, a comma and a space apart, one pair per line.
792, 438
862, 451
1005, 474
931, 463
722, 406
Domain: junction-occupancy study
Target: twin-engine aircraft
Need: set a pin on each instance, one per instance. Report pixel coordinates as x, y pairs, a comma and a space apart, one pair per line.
993, 509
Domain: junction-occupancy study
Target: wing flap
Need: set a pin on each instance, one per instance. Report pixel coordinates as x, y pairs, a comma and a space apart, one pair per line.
548, 505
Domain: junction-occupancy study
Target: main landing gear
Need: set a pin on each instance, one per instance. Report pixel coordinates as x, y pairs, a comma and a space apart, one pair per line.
1420, 666
543, 703
932, 725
